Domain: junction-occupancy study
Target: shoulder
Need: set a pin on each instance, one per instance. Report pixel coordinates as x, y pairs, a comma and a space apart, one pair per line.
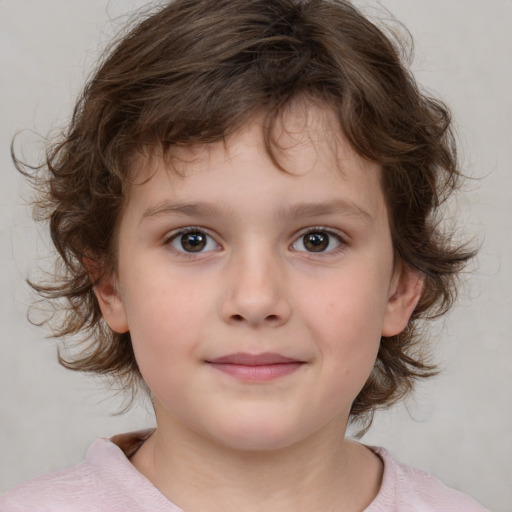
53, 492
406, 489
105, 481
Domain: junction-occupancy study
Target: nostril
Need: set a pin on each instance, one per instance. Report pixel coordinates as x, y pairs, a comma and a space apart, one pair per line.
268, 318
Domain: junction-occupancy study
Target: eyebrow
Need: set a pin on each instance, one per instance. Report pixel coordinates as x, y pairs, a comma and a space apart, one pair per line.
335, 207
200, 209
205, 209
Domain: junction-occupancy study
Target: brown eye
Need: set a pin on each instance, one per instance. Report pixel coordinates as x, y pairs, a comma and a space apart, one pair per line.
193, 241
317, 241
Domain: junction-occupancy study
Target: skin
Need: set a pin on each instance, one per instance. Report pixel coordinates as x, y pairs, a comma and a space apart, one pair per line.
224, 442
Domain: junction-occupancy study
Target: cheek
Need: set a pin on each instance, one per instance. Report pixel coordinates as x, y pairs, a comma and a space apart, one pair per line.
158, 300
346, 320
350, 307
164, 323
162, 340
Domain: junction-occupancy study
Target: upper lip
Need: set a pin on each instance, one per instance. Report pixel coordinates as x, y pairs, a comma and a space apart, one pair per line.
253, 359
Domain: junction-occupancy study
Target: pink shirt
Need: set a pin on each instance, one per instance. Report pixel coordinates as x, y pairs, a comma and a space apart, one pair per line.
107, 482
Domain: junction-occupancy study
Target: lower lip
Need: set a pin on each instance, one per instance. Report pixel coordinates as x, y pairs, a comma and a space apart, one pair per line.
257, 373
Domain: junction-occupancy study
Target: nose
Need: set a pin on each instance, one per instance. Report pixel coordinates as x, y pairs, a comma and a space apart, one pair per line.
255, 294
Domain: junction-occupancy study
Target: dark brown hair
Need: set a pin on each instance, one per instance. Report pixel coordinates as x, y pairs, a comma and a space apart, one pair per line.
195, 72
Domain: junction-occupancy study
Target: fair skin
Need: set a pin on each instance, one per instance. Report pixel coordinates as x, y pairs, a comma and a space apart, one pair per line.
256, 328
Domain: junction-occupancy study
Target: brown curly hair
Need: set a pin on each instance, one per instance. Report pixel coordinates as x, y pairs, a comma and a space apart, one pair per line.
195, 72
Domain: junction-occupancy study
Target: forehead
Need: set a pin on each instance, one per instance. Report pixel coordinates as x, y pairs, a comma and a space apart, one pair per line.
303, 154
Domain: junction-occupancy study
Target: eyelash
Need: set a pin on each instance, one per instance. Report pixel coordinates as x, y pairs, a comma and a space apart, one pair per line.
322, 230
340, 240
178, 234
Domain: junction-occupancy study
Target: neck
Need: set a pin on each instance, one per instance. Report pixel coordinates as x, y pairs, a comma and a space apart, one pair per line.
324, 472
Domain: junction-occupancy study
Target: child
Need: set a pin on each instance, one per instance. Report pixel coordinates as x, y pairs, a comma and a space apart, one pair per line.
245, 206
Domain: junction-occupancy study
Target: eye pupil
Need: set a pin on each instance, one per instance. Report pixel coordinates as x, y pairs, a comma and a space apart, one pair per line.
193, 242
316, 242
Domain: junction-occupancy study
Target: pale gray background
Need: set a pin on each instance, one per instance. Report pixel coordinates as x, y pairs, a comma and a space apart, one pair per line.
458, 426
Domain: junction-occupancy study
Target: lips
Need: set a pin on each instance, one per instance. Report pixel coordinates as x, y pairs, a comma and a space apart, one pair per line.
256, 367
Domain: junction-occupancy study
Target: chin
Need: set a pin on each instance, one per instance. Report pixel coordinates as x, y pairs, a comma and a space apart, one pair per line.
257, 435
255, 442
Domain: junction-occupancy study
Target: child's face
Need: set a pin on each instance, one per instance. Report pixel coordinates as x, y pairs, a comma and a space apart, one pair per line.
256, 299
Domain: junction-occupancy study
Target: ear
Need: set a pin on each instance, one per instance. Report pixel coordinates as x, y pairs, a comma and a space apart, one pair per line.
111, 304
405, 292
